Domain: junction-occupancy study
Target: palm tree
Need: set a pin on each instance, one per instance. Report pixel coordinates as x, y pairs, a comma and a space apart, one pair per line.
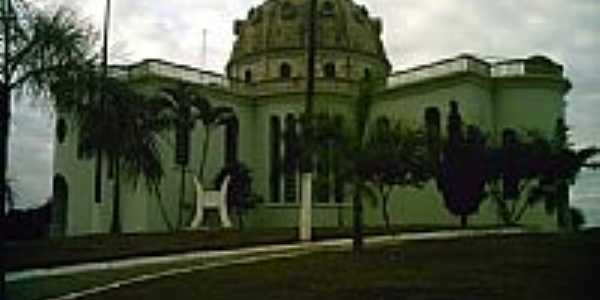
184, 106
352, 150
126, 131
41, 51
176, 107
211, 118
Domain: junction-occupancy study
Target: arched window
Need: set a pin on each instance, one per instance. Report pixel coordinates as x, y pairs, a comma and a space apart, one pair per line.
255, 15
329, 70
291, 158
367, 73
328, 9
288, 11
61, 130
275, 159
60, 201
248, 76
433, 134
432, 118
338, 180
285, 71
383, 122
321, 160
231, 141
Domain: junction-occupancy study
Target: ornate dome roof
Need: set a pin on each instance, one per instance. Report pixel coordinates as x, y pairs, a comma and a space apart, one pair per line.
280, 26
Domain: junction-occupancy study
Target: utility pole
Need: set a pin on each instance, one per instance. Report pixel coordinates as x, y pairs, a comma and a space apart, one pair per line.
307, 165
98, 175
7, 19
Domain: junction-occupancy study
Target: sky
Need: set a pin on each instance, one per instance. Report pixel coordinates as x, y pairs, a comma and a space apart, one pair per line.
415, 32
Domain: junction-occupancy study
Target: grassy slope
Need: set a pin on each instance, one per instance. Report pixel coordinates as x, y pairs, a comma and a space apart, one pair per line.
516, 267
48, 253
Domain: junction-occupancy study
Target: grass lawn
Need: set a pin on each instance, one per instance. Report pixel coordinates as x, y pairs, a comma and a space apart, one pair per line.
508, 267
47, 253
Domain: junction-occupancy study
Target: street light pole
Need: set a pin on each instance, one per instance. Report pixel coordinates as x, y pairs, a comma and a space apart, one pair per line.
307, 165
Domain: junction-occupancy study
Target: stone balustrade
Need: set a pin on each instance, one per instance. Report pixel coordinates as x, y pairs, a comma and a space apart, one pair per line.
533, 66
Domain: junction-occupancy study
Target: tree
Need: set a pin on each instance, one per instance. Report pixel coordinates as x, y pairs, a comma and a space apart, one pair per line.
529, 169
176, 104
211, 117
398, 158
41, 51
11, 195
350, 147
577, 219
462, 175
239, 192
126, 131
185, 106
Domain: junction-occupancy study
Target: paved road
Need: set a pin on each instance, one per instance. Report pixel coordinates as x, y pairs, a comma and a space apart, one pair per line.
155, 268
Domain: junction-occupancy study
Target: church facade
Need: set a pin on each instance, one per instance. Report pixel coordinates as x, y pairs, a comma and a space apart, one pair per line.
265, 84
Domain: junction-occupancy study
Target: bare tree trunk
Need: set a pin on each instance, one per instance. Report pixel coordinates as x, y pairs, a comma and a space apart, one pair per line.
240, 216
357, 239
4, 120
519, 215
163, 214
181, 198
4, 129
116, 226
464, 221
562, 205
384, 206
385, 212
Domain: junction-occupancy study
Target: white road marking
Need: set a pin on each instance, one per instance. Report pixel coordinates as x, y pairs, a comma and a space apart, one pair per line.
173, 272
141, 261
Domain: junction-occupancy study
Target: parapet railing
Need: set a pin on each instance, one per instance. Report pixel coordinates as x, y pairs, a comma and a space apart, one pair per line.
439, 69
509, 69
536, 65
174, 71
539, 66
206, 78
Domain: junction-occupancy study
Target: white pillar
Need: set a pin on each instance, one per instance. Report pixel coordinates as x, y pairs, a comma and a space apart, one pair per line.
305, 218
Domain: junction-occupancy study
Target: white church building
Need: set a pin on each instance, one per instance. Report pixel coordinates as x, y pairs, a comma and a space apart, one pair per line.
264, 83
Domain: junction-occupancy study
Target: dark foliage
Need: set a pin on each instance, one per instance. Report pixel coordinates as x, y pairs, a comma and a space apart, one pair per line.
462, 176
126, 130
529, 169
577, 218
28, 224
239, 193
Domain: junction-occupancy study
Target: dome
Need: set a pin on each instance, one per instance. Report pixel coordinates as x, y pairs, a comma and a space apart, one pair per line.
270, 43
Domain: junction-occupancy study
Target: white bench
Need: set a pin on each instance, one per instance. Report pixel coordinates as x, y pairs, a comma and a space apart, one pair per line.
212, 200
